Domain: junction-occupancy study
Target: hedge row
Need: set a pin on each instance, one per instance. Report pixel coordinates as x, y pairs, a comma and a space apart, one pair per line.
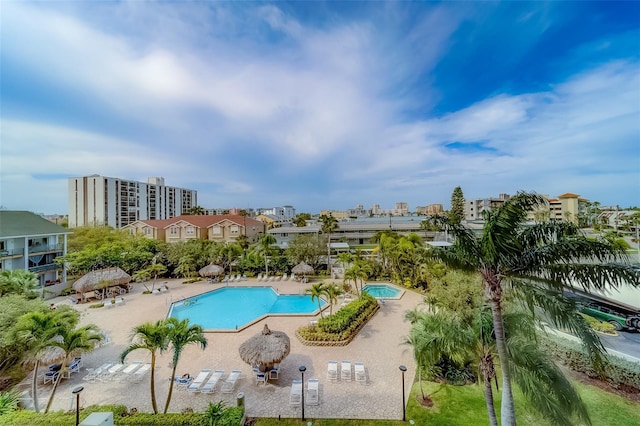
347, 324
602, 327
618, 372
232, 417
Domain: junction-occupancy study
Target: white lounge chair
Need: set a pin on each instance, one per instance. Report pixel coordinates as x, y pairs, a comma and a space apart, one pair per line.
111, 373
211, 384
202, 376
93, 374
360, 372
345, 371
332, 371
295, 398
126, 373
119, 300
285, 277
141, 372
313, 392
230, 384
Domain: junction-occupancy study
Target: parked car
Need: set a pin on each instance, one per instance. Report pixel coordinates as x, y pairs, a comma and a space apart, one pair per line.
617, 319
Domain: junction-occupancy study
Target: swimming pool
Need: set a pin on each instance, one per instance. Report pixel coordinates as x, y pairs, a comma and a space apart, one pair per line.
234, 308
383, 291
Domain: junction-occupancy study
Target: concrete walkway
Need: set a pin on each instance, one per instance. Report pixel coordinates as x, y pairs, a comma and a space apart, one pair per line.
378, 345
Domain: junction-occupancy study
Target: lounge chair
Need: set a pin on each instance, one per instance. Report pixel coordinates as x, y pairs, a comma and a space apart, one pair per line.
211, 384
111, 373
261, 378
230, 384
345, 371
285, 277
119, 300
313, 392
93, 374
73, 367
295, 398
259, 277
273, 373
202, 376
50, 376
141, 372
361, 375
157, 291
332, 371
126, 372
183, 382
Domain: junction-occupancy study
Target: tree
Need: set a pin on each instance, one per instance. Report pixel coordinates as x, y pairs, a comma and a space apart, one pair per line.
456, 214
301, 219
39, 329
264, 246
153, 337
154, 270
73, 342
306, 248
195, 210
536, 262
332, 292
316, 291
181, 334
13, 345
18, 281
359, 271
329, 224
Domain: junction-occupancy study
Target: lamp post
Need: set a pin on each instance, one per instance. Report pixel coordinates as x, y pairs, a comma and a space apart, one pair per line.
76, 392
404, 414
302, 370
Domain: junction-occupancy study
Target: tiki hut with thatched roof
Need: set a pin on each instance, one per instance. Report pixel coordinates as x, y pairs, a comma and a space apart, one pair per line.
302, 269
102, 279
265, 349
211, 270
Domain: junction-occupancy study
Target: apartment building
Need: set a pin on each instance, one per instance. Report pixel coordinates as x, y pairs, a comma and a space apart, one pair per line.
31, 242
280, 214
220, 228
99, 200
473, 208
430, 210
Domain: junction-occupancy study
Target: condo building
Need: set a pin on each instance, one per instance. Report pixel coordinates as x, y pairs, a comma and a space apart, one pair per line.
99, 200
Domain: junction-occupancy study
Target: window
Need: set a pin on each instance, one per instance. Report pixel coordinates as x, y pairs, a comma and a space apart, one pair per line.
174, 230
189, 230
234, 229
147, 231
217, 230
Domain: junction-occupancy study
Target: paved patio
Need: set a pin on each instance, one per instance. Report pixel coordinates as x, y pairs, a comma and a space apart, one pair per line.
378, 345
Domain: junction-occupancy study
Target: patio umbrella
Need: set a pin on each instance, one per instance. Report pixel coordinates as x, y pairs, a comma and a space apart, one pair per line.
211, 270
265, 349
101, 278
302, 269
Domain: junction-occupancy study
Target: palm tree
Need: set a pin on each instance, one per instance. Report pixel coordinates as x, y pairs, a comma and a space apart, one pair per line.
18, 281
264, 246
509, 253
40, 329
359, 271
153, 337
332, 292
181, 334
316, 291
73, 342
154, 270
329, 224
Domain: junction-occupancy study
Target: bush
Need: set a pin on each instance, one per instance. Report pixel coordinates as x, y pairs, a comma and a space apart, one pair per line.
602, 327
67, 291
96, 305
619, 373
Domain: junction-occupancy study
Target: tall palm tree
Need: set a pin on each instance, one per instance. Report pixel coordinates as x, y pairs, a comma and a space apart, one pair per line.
154, 270
510, 253
153, 337
359, 271
264, 246
73, 342
39, 330
316, 291
329, 224
332, 292
181, 334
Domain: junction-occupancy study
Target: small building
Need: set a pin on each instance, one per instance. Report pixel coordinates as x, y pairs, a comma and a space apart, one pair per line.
31, 242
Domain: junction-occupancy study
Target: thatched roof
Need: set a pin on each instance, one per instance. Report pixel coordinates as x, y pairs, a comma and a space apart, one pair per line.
302, 268
266, 348
100, 279
211, 270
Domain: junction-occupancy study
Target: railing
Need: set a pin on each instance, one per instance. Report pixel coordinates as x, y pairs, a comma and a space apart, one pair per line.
7, 253
49, 267
46, 247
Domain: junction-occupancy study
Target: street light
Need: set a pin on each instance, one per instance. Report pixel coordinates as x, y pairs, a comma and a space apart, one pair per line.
302, 370
76, 392
404, 414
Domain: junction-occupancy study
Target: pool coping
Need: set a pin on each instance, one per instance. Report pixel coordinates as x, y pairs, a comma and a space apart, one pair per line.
252, 322
388, 284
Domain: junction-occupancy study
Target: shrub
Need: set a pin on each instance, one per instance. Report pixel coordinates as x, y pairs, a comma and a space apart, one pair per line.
96, 305
67, 291
603, 327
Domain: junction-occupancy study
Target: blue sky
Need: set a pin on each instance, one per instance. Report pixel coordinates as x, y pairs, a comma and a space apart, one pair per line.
321, 104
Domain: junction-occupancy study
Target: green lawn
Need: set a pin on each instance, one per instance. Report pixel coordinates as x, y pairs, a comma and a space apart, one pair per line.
465, 405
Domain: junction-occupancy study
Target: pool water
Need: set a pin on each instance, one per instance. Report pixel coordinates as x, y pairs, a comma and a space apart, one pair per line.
382, 291
233, 308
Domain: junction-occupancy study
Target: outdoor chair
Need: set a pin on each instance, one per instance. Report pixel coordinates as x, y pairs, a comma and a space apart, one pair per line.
361, 375
126, 373
345, 371
183, 382
313, 392
332, 371
261, 378
50, 376
202, 376
141, 372
259, 277
211, 384
230, 384
295, 398
273, 373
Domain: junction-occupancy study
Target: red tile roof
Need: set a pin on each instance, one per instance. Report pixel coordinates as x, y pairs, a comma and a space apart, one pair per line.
568, 195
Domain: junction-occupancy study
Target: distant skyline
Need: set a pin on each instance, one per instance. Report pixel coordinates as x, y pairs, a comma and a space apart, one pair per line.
321, 105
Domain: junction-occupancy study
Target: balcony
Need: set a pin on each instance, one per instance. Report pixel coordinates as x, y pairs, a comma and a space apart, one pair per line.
42, 268
41, 248
11, 253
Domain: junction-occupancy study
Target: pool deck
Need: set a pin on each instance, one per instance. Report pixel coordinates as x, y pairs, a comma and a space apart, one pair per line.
378, 345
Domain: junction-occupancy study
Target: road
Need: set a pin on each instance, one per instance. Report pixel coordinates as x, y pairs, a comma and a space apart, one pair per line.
625, 342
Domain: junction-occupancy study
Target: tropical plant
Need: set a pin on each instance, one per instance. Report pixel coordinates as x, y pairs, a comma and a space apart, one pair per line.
154, 270
301, 219
73, 342
317, 290
9, 401
18, 281
153, 337
332, 292
181, 334
358, 272
264, 247
195, 210
214, 413
329, 224
536, 261
39, 330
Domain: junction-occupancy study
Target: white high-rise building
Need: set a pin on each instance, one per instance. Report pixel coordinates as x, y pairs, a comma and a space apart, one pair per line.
99, 200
